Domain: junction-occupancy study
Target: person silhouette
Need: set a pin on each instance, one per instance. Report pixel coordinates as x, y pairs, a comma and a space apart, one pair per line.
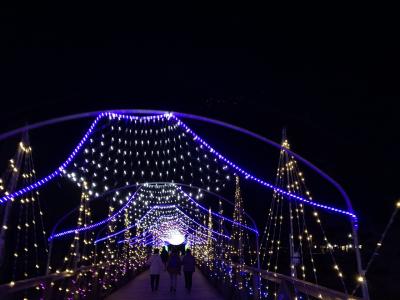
189, 264
164, 257
174, 268
156, 265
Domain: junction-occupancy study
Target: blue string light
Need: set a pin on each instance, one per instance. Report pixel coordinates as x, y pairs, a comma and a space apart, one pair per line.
216, 214
71, 231
160, 207
112, 115
247, 175
151, 227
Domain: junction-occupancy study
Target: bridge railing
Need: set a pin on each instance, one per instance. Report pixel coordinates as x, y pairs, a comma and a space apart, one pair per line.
47, 285
238, 281
231, 280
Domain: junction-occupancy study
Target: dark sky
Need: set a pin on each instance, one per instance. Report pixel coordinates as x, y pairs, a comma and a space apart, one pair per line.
328, 74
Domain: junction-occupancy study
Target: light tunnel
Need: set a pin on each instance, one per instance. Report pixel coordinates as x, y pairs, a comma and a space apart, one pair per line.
163, 184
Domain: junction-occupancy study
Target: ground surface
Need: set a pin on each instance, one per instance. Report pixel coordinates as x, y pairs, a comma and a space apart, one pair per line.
139, 288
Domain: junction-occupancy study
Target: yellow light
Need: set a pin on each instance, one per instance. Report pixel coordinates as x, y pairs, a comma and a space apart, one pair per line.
12, 283
398, 204
360, 279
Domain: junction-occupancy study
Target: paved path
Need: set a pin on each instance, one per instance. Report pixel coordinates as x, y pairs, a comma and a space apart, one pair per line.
139, 288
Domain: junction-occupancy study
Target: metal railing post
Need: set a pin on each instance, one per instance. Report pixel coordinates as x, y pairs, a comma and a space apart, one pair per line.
361, 271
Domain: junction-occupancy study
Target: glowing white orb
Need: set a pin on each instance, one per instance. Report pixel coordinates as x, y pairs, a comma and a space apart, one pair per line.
175, 237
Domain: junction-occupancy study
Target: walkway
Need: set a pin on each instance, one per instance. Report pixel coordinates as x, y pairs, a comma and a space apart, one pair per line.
139, 288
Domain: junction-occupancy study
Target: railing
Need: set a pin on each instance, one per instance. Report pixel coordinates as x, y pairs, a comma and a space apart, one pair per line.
289, 284
21, 285
225, 278
46, 283
288, 287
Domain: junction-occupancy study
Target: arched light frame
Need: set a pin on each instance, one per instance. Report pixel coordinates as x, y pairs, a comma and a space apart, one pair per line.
156, 207
121, 114
54, 235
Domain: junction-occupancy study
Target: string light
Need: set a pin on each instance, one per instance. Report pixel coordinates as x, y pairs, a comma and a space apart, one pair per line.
301, 261
196, 138
119, 150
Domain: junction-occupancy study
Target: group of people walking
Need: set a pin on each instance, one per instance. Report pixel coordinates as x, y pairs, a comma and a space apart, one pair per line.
173, 264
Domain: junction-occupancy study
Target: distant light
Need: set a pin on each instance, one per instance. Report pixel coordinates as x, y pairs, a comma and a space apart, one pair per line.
175, 237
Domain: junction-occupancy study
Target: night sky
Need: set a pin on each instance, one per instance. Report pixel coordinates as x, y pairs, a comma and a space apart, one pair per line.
330, 78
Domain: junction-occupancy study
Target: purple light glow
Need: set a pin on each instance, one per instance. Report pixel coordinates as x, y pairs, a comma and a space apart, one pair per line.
190, 237
216, 214
190, 219
137, 239
125, 229
160, 207
185, 229
70, 231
